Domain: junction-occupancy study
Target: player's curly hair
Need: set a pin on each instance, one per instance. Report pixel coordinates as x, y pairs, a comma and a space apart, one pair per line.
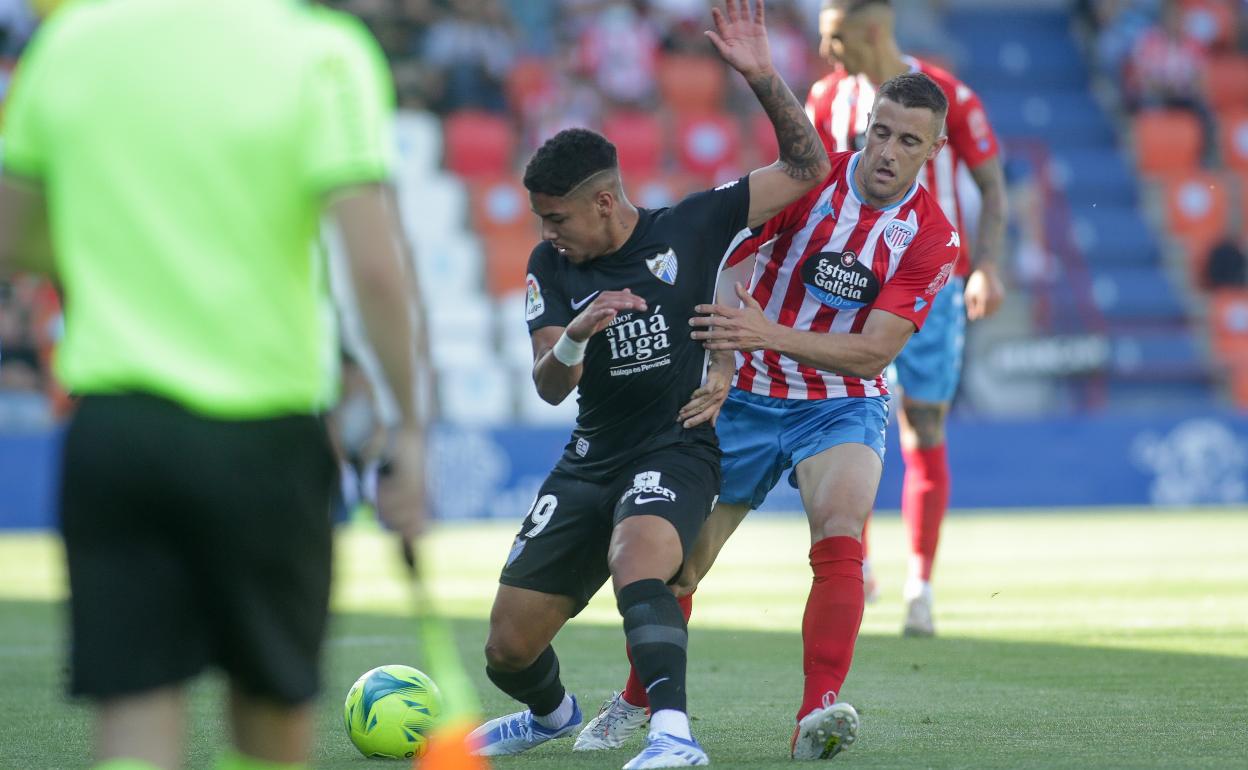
914, 89
567, 159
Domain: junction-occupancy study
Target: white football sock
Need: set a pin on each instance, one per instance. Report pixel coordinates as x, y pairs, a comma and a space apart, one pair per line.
672, 722
557, 718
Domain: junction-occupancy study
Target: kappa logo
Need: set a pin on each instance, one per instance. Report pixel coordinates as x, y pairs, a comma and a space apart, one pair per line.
664, 266
648, 483
919, 304
826, 210
898, 235
534, 304
954, 240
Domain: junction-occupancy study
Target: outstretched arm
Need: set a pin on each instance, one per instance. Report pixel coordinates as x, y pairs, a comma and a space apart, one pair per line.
740, 36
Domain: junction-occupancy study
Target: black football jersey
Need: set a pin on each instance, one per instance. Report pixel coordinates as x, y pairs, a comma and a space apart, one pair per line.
640, 370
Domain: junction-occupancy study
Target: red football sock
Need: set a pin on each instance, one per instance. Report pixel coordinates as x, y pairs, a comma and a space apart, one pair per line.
833, 615
924, 500
634, 691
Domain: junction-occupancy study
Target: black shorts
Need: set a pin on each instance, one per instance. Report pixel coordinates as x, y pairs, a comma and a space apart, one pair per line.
194, 542
562, 544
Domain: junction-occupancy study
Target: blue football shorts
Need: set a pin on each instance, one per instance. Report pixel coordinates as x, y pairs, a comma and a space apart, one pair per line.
929, 366
762, 437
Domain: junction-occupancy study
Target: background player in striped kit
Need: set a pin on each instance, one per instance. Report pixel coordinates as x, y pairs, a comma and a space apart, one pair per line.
843, 278
857, 38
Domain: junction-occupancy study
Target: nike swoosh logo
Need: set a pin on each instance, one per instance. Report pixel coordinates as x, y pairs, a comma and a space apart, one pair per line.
578, 305
643, 500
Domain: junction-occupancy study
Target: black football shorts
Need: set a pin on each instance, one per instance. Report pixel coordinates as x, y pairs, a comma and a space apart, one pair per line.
562, 544
194, 542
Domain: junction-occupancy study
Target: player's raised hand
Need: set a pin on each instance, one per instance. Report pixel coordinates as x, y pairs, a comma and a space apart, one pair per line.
730, 328
706, 401
740, 36
984, 292
601, 312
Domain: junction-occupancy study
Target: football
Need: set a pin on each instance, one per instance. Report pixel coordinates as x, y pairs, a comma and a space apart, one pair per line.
390, 711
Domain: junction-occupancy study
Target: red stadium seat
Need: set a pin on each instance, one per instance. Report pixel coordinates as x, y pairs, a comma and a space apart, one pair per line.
1226, 82
638, 137
501, 206
1196, 205
478, 145
1167, 142
709, 146
528, 82
692, 85
1233, 138
1211, 22
1228, 320
506, 260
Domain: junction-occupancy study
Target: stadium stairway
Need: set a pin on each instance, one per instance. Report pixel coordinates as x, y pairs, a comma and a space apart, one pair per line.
1029, 72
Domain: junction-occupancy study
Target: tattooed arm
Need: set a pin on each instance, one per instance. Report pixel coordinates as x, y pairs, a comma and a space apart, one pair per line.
741, 39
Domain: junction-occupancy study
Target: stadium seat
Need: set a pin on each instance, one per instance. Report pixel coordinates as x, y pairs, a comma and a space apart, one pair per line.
709, 146
501, 206
1233, 136
638, 138
506, 260
477, 396
418, 139
533, 410
1209, 22
478, 145
1196, 205
529, 82
1226, 82
1228, 319
1093, 176
514, 345
692, 85
1114, 235
1167, 142
1134, 295
450, 268
659, 191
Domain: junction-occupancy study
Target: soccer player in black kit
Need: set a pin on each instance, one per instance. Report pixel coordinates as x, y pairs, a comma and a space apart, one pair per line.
610, 292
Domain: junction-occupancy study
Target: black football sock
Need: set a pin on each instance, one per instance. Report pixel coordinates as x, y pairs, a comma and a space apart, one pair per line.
658, 640
537, 686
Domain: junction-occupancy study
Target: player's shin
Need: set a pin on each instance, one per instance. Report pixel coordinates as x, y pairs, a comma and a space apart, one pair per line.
634, 692
537, 687
833, 615
657, 641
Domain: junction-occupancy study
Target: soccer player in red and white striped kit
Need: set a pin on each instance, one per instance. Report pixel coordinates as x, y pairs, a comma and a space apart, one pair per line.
857, 38
844, 276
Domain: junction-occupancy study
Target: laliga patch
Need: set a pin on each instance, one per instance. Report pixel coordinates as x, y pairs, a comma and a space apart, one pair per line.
534, 305
664, 266
839, 280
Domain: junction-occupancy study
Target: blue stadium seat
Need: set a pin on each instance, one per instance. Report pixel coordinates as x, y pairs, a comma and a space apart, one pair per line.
1158, 355
1096, 176
1136, 294
1067, 117
1114, 235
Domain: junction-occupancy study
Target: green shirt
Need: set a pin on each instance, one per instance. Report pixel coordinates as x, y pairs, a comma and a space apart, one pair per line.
186, 148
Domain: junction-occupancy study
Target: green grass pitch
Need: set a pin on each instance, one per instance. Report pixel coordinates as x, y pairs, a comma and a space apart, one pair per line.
1081, 639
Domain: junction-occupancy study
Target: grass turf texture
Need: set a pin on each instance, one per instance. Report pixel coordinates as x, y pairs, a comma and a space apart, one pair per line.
1077, 639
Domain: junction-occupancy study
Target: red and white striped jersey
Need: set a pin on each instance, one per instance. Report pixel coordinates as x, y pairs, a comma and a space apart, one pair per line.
829, 259
840, 107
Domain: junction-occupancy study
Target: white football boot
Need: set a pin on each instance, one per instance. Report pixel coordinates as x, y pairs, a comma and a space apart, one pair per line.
617, 721
918, 597
664, 750
518, 732
825, 732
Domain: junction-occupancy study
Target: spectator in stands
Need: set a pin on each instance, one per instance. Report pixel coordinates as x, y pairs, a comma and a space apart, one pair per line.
472, 48
1227, 265
1165, 71
619, 51
1118, 25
